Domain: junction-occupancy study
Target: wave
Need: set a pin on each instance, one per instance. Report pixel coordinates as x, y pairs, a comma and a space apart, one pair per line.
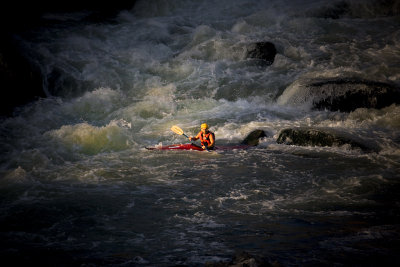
89, 139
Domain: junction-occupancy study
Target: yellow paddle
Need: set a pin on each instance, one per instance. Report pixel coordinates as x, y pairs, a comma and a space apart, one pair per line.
179, 131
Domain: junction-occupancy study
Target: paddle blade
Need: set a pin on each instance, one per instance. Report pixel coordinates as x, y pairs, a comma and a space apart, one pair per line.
177, 130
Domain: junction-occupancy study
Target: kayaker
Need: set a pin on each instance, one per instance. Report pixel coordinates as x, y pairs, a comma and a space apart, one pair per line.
206, 137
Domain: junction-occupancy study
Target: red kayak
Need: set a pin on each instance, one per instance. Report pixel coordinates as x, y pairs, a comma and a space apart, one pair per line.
177, 147
196, 147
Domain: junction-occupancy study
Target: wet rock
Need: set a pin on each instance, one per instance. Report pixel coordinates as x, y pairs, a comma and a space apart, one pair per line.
342, 94
263, 51
348, 95
253, 138
317, 137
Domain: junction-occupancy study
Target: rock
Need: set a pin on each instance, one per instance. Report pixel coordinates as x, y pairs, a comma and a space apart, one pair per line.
317, 137
264, 51
348, 95
343, 94
253, 138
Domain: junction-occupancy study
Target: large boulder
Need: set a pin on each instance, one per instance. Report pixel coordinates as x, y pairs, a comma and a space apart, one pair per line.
263, 51
342, 94
348, 95
317, 137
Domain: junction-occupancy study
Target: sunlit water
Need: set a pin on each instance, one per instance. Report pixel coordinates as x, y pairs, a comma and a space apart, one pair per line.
78, 186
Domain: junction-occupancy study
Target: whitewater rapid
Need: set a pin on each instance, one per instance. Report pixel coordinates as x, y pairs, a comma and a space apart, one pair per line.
77, 182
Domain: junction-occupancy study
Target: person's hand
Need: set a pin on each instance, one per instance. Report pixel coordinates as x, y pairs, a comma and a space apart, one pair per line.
204, 147
190, 138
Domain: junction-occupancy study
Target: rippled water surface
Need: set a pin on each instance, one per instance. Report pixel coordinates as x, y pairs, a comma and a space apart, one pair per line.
78, 186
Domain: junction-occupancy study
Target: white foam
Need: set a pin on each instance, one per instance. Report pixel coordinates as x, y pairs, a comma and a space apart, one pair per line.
89, 139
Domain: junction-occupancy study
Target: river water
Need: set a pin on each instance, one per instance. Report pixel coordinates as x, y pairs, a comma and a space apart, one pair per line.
78, 186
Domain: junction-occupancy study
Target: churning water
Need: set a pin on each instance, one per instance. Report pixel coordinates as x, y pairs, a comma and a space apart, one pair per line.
78, 186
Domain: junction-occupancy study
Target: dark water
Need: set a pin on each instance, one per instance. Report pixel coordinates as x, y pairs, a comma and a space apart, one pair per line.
78, 186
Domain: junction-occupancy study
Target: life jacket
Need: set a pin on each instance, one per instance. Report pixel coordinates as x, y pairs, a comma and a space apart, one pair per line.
205, 139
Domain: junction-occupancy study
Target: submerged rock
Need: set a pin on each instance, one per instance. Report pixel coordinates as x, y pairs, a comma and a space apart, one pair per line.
264, 51
253, 138
342, 94
316, 137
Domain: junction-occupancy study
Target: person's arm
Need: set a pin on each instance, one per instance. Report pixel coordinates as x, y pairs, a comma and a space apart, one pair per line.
195, 138
211, 140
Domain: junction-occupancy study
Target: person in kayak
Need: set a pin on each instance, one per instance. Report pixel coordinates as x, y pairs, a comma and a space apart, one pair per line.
206, 137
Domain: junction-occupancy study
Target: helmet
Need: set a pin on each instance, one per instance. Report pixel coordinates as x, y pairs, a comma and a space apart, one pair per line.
204, 126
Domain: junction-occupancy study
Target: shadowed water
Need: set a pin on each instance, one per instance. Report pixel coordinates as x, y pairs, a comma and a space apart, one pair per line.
77, 185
